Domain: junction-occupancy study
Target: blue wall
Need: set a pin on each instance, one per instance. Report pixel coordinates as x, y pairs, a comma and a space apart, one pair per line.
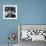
33, 12
29, 12
7, 26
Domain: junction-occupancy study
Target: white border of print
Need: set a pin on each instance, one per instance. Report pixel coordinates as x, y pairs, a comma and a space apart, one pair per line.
9, 6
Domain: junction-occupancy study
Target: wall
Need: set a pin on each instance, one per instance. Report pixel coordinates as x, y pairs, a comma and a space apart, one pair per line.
29, 12
34, 12
7, 26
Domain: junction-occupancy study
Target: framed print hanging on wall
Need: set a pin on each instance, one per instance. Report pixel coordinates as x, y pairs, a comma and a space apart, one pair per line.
9, 11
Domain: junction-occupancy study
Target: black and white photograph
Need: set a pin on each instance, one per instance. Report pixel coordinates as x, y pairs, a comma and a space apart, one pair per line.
9, 11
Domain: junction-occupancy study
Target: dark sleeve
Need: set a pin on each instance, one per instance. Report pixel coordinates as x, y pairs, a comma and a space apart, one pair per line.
13, 15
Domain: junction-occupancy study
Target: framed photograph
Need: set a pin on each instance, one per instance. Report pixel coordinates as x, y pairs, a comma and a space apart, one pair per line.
9, 11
